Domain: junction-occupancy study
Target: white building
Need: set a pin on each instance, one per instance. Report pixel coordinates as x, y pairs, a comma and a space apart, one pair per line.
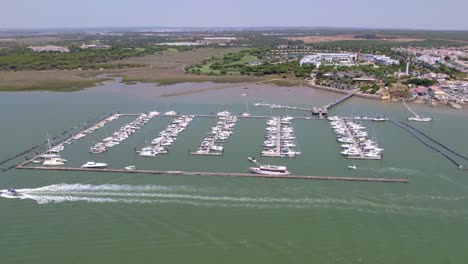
345, 59
49, 48
381, 59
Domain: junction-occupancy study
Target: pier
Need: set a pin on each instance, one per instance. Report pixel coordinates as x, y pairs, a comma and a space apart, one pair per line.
323, 112
213, 143
357, 146
223, 174
279, 139
335, 103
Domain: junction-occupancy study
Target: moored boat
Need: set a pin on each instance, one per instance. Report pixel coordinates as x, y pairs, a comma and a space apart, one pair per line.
270, 170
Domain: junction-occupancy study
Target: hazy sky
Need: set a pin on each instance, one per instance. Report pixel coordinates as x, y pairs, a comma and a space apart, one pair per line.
417, 14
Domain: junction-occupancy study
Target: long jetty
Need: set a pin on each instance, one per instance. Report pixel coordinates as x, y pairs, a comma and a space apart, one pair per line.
223, 174
335, 103
426, 144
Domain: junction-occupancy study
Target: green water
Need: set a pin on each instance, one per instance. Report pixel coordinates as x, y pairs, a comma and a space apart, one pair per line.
121, 218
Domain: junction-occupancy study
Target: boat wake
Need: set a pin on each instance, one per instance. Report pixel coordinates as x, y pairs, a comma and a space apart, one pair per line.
192, 196
398, 171
155, 194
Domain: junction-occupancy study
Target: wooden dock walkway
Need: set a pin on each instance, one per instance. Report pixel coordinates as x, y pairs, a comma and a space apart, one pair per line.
335, 103
223, 174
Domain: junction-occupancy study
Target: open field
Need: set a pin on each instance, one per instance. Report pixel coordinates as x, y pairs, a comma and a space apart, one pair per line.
164, 68
169, 68
60, 81
386, 38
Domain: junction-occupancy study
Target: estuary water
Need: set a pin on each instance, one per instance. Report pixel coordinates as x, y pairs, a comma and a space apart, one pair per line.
80, 217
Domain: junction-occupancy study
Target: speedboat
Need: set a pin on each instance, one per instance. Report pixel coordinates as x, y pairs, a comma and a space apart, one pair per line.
10, 193
270, 170
93, 165
252, 159
148, 153
379, 119
131, 167
353, 167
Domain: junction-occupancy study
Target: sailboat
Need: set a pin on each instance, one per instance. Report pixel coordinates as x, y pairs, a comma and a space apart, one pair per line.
246, 113
49, 154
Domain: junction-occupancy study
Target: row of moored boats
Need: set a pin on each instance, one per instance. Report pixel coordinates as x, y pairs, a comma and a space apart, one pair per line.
354, 141
166, 137
52, 156
213, 142
279, 138
123, 133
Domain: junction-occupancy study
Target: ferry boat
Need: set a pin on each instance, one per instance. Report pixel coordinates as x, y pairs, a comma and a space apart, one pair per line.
93, 165
270, 170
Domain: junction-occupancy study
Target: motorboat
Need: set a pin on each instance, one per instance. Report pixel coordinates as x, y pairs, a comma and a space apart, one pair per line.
131, 167
170, 113
252, 159
148, 153
352, 167
54, 162
93, 165
270, 170
420, 119
216, 148
50, 155
379, 119
10, 193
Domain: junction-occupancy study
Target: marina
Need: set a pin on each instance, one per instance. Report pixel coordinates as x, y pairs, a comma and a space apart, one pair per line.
160, 145
212, 144
354, 142
279, 139
123, 133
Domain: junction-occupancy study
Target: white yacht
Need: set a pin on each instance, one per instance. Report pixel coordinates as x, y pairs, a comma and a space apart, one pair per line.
216, 148
148, 153
170, 113
270, 170
54, 162
379, 119
420, 119
93, 165
50, 155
